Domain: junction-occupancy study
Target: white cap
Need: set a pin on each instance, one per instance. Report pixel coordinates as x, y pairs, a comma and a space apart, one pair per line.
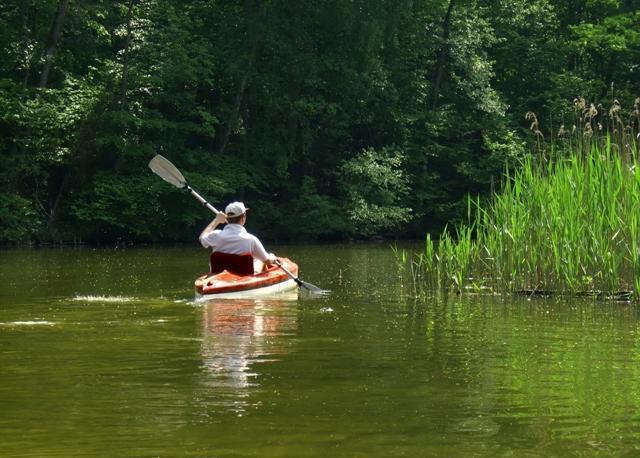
235, 209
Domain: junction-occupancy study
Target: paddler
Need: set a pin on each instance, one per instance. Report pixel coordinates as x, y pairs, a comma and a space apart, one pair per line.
233, 244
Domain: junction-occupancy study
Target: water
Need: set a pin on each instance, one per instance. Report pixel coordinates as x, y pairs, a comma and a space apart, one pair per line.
104, 353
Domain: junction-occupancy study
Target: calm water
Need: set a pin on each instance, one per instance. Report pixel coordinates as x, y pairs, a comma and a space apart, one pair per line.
104, 353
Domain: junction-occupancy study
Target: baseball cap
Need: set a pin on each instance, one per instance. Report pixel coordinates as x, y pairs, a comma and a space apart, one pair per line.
235, 209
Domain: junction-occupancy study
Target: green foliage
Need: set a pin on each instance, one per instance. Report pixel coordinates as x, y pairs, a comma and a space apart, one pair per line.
18, 220
376, 190
266, 101
139, 208
307, 216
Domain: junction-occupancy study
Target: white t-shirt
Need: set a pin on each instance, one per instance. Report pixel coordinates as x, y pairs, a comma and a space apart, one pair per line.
234, 239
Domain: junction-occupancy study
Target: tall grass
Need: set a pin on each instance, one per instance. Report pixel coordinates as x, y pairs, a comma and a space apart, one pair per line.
563, 224
571, 226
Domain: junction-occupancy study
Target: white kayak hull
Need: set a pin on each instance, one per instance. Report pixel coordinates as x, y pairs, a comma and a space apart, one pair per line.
285, 287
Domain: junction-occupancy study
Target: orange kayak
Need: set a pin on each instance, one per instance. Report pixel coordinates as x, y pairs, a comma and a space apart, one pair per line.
226, 284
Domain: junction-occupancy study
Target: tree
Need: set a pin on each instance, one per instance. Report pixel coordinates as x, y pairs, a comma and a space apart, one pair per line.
290, 106
54, 36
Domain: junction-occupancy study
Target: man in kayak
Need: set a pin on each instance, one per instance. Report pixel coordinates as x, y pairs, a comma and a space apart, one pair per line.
233, 247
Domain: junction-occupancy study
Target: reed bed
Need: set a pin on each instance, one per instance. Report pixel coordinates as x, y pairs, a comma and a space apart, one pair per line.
562, 224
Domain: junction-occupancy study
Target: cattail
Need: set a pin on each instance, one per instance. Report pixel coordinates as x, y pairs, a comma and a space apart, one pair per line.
531, 116
615, 108
588, 131
562, 132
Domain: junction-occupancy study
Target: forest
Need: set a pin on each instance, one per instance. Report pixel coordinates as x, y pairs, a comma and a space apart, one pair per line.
331, 119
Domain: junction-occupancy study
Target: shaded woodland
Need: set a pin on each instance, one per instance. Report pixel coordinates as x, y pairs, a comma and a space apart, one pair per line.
331, 119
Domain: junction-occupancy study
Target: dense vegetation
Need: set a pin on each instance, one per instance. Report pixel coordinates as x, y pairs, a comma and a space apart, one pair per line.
565, 221
330, 118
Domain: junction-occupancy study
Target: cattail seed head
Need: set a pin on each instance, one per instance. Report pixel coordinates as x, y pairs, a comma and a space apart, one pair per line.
531, 116
562, 132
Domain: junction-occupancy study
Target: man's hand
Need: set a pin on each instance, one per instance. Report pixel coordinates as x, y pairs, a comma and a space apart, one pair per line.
271, 258
220, 218
217, 221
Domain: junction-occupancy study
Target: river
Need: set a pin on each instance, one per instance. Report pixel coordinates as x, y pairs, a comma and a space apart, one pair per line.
103, 352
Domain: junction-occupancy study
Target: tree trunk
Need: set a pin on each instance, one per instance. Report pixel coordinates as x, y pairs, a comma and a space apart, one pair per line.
54, 35
53, 212
125, 60
24, 13
442, 56
253, 20
233, 118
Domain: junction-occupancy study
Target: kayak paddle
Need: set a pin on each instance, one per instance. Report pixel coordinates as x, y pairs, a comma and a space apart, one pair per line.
170, 173
308, 287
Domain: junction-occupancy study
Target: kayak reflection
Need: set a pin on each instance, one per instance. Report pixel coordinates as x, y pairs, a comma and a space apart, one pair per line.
239, 335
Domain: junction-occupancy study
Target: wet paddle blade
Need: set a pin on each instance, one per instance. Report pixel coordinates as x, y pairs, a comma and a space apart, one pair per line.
308, 288
167, 171
313, 290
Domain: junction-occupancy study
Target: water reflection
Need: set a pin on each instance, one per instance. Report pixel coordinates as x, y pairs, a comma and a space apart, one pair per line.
238, 336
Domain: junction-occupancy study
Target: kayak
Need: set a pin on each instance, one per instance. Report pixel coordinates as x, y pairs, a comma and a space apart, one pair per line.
274, 280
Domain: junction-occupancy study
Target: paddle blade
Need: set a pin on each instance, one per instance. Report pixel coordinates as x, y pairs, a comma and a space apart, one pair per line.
313, 290
167, 171
307, 288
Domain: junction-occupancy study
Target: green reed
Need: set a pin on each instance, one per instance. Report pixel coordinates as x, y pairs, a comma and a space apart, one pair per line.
567, 225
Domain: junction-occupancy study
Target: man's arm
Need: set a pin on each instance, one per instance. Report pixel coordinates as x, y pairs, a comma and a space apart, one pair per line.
258, 252
218, 220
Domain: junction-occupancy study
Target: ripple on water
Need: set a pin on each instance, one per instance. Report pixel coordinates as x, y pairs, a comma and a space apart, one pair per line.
91, 298
29, 323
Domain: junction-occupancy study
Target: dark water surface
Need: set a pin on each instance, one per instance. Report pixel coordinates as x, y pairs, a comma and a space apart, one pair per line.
104, 353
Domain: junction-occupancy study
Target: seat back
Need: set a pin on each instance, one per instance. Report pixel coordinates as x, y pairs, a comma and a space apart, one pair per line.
239, 264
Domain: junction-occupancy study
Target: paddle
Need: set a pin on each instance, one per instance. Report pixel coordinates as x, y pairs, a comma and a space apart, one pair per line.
311, 289
169, 173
